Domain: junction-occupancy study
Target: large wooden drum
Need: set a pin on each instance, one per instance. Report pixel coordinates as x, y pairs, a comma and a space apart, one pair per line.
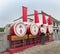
50, 28
18, 29
32, 29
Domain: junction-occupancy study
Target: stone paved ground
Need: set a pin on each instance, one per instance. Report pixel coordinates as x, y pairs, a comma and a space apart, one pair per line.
48, 48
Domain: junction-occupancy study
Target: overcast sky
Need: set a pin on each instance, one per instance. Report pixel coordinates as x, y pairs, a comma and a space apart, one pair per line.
12, 9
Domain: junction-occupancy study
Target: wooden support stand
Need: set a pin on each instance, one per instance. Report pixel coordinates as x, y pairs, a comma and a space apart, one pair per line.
18, 44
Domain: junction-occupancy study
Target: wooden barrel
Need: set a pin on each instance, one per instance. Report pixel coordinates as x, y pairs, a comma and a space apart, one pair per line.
18, 29
45, 28
50, 28
32, 29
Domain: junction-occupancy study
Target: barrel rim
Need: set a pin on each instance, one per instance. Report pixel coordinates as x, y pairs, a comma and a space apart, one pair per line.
31, 28
17, 32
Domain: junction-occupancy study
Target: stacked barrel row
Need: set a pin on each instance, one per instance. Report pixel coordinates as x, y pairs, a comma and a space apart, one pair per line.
20, 30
